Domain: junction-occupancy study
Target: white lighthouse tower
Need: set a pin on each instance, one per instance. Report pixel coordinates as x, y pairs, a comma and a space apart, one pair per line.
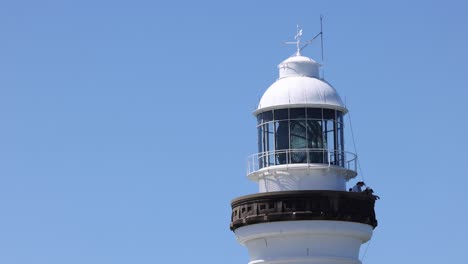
303, 212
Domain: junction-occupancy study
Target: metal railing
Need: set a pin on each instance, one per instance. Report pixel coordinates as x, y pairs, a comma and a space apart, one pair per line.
262, 160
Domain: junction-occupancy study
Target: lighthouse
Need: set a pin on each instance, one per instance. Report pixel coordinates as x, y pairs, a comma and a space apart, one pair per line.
303, 211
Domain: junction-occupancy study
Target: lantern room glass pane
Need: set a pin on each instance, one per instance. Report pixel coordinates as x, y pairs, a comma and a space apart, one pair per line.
340, 144
330, 134
282, 141
261, 157
314, 113
297, 113
329, 114
315, 141
281, 114
340, 138
259, 138
270, 127
298, 140
267, 116
314, 134
339, 116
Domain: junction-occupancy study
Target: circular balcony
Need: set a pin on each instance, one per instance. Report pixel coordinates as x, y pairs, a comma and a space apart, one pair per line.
302, 158
303, 205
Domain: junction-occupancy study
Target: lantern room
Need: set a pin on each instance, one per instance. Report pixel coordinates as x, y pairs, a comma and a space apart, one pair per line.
300, 135
300, 121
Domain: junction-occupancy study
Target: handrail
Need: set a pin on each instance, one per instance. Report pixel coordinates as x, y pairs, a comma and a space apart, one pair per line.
258, 161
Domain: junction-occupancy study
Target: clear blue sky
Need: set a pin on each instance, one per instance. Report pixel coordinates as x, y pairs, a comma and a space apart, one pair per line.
125, 125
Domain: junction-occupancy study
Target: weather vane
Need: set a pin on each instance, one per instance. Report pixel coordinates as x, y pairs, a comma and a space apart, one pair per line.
298, 42
298, 38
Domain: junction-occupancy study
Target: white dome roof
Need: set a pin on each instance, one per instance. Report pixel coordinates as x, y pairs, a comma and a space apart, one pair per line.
298, 66
297, 88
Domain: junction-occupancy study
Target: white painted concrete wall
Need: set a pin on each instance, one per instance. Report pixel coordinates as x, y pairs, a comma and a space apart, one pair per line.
332, 242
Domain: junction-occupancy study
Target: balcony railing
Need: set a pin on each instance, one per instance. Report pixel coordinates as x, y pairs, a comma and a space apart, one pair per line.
303, 205
267, 159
